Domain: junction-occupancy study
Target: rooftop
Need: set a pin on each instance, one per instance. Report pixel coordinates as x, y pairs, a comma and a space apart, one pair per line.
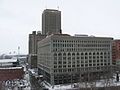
8, 60
12, 68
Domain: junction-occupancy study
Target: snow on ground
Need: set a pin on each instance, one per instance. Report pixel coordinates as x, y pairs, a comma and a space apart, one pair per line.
100, 83
57, 87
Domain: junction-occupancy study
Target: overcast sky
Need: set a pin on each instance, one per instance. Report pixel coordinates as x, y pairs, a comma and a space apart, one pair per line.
18, 18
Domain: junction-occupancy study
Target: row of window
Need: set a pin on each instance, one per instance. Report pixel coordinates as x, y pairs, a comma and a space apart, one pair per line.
81, 65
85, 53
81, 45
78, 49
81, 57
77, 70
78, 61
80, 41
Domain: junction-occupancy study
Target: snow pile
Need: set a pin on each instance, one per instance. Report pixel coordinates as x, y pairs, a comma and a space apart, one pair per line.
56, 87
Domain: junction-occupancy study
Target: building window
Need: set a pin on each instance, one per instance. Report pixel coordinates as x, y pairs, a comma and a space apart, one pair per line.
64, 58
93, 57
55, 70
82, 57
90, 57
86, 57
90, 64
77, 54
85, 53
82, 54
60, 66
55, 62
64, 62
73, 54
55, 58
90, 61
64, 66
78, 65
82, 65
55, 54
69, 58
69, 65
73, 65
59, 54
64, 54
78, 58
97, 53
55, 66
89, 53
73, 58
69, 54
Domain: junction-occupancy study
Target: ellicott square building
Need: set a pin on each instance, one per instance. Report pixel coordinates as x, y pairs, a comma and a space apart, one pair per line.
65, 59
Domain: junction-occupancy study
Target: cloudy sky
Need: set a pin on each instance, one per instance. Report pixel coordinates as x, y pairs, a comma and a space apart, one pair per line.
18, 18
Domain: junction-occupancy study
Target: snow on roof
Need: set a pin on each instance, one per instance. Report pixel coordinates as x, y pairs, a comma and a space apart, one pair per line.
12, 68
33, 71
8, 60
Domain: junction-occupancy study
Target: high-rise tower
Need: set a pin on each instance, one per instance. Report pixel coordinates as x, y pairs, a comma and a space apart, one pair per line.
51, 22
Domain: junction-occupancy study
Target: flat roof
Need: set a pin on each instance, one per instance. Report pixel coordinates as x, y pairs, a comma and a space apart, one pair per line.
8, 60
12, 68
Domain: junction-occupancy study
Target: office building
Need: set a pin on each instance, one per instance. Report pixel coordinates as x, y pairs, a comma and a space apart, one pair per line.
51, 22
64, 59
33, 40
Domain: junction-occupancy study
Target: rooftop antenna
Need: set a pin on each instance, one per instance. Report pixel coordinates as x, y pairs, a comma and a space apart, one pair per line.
57, 2
18, 52
58, 7
45, 4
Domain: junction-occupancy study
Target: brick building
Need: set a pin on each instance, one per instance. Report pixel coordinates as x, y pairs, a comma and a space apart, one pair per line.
11, 73
10, 70
116, 52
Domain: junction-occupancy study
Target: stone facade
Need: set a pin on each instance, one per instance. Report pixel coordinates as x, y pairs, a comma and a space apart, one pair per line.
64, 59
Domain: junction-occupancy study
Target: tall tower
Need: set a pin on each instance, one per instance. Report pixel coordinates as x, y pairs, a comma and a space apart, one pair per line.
51, 22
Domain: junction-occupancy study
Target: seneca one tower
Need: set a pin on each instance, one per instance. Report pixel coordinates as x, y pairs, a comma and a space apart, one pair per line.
51, 22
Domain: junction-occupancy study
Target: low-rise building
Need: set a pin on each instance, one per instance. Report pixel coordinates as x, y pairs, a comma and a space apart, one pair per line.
10, 70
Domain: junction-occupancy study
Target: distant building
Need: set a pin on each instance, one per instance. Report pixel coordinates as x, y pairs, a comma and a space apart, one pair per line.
116, 52
33, 40
51, 22
64, 59
32, 60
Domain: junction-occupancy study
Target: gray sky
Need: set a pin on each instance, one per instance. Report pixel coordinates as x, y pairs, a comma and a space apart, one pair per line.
18, 18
